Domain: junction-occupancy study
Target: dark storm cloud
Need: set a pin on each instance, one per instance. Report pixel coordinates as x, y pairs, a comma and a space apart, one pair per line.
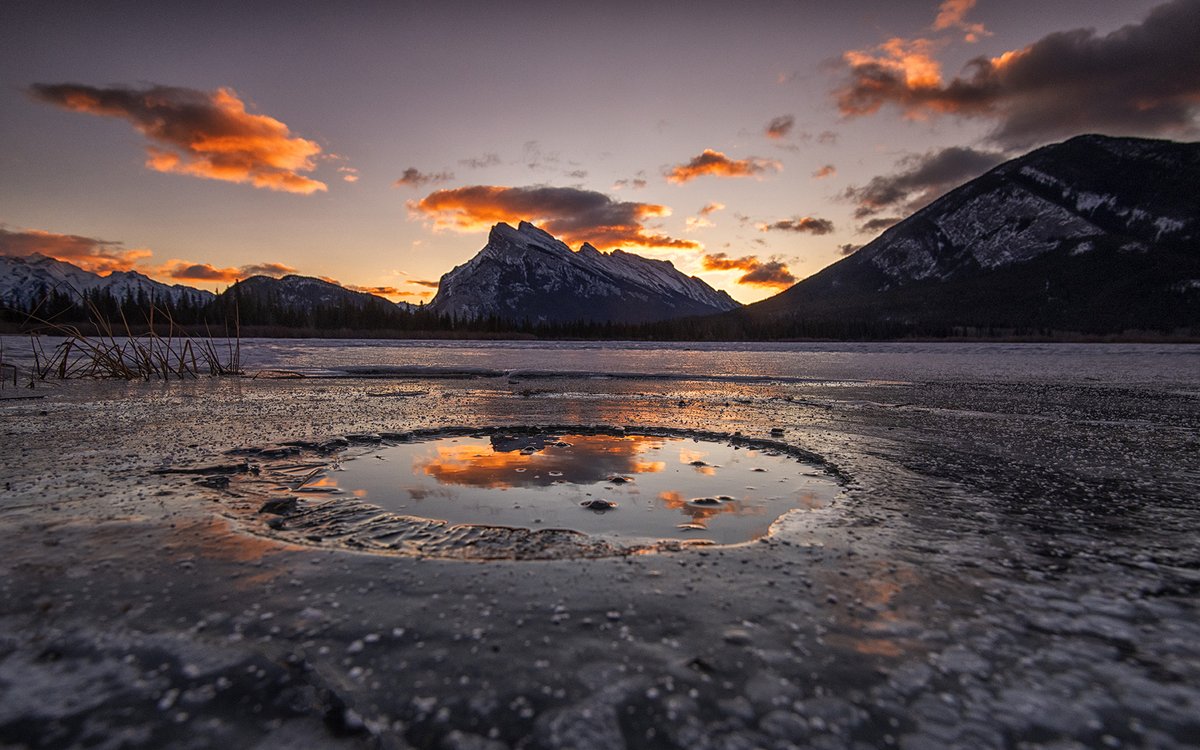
200, 133
1142, 79
921, 178
572, 214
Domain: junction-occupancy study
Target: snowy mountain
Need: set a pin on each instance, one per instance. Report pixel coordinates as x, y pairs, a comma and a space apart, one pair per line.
525, 273
1095, 233
27, 280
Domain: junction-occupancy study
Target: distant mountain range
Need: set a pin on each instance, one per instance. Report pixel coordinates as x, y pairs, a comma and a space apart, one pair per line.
526, 274
1095, 234
27, 280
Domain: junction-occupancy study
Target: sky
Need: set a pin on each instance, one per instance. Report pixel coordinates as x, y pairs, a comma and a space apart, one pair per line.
374, 143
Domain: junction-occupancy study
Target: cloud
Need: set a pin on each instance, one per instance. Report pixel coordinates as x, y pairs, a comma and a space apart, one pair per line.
719, 165
182, 270
770, 273
848, 249
952, 14
380, 291
483, 161
874, 226
89, 253
780, 126
573, 214
1141, 79
637, 183
701, 220
205, 134
826, 171
806, 224
432, 284
415, 178
349, 174
921, 179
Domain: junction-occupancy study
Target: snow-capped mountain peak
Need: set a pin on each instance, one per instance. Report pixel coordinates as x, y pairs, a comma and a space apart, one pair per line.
27, 280
526, 273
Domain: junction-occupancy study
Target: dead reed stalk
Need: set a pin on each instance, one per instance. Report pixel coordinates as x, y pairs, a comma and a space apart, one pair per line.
119, 353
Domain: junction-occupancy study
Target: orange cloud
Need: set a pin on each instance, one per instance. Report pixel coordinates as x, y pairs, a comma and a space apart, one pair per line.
701, 218
396, 293
90, 254
772, 274
349, 174
826, 171
182, 270
952, 15
1141, 79
200, 133
572, 214
808, 224
717, 164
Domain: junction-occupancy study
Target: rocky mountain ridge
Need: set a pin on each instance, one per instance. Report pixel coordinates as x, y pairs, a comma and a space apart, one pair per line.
524, 273
1095, 233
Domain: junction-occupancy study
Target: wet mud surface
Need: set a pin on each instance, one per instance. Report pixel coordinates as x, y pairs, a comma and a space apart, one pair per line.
1010, 565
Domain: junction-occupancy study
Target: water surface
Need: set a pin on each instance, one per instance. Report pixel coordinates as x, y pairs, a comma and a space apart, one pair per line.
631, 487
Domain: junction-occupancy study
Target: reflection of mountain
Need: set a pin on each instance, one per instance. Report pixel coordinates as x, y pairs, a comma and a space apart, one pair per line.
590, 459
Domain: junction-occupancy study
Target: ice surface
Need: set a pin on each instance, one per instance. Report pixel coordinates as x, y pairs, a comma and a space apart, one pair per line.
1014, 562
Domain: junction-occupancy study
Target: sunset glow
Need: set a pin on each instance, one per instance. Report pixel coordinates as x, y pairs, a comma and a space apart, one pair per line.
200, 164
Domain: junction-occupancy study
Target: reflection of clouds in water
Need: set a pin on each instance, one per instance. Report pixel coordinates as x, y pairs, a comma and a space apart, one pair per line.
877, 626
687, 455
702, 513
589, 459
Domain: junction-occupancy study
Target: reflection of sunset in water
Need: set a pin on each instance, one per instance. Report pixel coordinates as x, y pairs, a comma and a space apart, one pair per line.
875, 625
588, 459
649, 487
702, 513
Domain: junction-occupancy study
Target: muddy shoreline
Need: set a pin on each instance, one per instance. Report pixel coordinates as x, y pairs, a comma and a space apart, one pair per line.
1013, 564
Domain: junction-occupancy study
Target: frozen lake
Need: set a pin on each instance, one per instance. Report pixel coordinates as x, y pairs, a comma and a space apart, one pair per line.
1131, 364
1107, 363
1010, 561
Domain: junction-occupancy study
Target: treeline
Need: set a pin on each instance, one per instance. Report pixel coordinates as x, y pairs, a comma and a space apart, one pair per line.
267, 314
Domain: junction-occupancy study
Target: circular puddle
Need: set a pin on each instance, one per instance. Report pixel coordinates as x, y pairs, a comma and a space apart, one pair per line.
626, 488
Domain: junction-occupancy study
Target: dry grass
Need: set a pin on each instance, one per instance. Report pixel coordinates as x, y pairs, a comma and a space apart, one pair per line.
117, 353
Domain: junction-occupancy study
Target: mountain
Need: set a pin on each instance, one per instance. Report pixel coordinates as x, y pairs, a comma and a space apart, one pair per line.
526, 274
304, 293
27, 280
304, 302
1095, 234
